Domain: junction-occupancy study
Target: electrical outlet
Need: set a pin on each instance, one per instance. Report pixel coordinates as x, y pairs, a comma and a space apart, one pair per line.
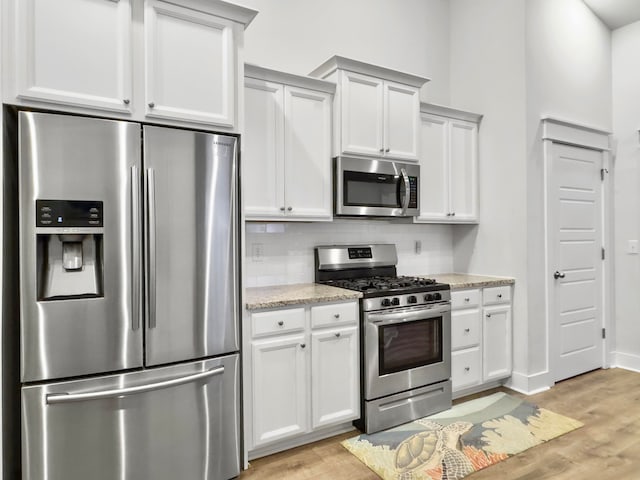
418, 247
632, 247
257, 252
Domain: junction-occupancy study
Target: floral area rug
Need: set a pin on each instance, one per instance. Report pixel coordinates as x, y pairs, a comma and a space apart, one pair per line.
452, 444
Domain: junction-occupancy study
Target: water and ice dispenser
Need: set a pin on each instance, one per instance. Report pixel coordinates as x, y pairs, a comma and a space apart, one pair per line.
69, 249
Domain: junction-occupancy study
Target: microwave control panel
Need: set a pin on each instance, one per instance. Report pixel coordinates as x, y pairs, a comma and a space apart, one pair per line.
413, 192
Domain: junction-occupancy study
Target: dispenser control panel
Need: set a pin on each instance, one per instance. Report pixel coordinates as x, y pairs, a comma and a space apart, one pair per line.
69, 213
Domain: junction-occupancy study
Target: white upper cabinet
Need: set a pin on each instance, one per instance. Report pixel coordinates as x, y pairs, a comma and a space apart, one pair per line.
362, 114
287, 146
263, 148
190, 60
167, 61
75, 52
449, 165
377, 110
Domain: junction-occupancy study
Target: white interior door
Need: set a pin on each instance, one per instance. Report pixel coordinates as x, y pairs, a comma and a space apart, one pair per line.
575, 216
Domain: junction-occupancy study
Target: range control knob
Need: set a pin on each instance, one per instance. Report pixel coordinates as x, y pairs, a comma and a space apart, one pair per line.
385, 302
412, 299
437, 296
428, 297
395, 301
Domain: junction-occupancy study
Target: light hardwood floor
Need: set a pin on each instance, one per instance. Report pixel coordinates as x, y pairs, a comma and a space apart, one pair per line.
607, 447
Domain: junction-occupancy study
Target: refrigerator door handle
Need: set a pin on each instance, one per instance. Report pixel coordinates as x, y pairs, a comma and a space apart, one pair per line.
151, 245
135, 249
58, 398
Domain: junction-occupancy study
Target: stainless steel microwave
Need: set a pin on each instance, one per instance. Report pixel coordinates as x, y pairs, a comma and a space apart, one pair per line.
375, 188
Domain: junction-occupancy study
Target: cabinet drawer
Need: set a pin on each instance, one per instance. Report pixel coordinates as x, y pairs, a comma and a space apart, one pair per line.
465, 328
496, 295
334, 314
466, 368
277, 321
465, 299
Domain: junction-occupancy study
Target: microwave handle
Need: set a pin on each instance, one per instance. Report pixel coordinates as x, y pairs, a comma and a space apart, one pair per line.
407, 190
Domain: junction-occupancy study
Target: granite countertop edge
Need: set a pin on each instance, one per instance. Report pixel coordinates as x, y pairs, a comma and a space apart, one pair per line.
258, 298
274, 296
459, 281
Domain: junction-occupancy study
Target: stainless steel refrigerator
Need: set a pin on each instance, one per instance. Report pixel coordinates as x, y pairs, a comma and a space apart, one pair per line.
128, 301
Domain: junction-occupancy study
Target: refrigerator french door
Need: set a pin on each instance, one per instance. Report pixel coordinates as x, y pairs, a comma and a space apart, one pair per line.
128, 300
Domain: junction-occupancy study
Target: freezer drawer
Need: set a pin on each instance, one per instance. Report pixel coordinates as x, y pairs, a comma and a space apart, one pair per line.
178, 422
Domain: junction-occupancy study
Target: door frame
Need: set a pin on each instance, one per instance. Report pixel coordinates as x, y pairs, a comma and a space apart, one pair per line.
556, 131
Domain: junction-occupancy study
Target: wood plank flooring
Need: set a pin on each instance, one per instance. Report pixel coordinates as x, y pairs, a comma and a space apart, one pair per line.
607, 447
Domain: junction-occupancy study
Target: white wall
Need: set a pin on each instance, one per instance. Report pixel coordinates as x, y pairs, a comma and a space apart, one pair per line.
488, 77
286, 249
626, 122
516, 61
296, 36
568, 60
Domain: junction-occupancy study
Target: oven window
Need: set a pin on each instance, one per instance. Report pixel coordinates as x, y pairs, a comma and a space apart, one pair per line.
409, 345
371, 189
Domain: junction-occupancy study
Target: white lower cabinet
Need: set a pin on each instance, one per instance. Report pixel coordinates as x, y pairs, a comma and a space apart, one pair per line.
480, 337
335, 376
279, 388
304, 374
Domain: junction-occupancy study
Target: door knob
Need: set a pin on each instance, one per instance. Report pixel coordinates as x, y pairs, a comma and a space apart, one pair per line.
558, 275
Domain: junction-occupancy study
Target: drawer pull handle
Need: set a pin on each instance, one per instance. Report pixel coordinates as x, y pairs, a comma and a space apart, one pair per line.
302, 345
488, 315
280, 323
466, 369
337, 315
499, 295
466, 299
466, 330
338, 335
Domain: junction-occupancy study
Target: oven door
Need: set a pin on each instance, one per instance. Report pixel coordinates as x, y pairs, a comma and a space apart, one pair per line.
376, 187
406, 348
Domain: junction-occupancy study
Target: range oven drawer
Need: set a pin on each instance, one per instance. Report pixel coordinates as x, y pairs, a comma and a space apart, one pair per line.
406, 406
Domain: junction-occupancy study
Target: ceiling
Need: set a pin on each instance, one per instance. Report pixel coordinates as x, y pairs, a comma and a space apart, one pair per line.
616, 13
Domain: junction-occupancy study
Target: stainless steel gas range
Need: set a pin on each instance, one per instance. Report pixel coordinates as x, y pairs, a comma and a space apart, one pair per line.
405, 334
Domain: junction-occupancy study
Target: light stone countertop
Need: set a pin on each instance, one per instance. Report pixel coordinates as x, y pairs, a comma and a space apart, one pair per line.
464, 280
275, 296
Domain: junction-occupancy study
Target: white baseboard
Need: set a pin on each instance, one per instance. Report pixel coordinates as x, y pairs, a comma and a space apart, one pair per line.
529, 384
301, 440
626, 360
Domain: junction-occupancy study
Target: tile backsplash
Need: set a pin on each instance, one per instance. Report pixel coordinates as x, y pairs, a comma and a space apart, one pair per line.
282, 253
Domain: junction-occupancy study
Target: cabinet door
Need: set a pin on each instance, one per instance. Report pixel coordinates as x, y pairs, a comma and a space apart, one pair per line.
263, 154
362, 114
190, 64
307, 153
402, 119
464, 165
496, 348
279, 370
434, 174
335, 376
75, 52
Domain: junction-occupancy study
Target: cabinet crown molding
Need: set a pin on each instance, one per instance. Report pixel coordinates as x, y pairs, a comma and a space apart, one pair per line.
269, 75
341, 63
435, 109
230, 11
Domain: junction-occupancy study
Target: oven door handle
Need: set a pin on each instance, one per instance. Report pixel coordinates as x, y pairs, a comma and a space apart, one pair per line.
429, 311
